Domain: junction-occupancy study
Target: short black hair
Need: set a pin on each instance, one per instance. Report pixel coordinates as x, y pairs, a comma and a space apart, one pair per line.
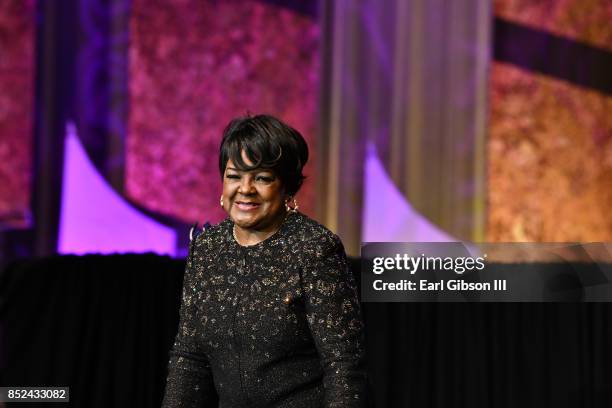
269, 143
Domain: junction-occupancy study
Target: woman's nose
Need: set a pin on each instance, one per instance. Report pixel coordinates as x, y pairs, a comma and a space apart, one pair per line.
246, 185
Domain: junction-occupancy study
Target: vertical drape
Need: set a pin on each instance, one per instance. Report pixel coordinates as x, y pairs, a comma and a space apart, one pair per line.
342, 137
54, 75
411, 78
101, 84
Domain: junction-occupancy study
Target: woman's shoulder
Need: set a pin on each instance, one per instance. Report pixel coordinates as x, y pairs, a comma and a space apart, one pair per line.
309, 232
212, 234
314, 245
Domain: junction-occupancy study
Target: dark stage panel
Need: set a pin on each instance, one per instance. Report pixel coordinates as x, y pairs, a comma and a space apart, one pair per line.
103, 325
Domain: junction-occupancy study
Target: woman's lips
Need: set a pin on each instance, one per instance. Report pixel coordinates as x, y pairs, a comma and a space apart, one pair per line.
246, 206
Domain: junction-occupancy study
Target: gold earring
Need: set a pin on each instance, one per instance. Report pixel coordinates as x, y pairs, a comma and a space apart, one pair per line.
295, 207
221, 200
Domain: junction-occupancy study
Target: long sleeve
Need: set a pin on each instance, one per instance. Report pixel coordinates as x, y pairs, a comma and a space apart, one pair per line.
189, 382
334, 317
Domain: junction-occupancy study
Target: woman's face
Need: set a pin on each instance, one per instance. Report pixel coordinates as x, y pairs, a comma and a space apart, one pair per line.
253, 199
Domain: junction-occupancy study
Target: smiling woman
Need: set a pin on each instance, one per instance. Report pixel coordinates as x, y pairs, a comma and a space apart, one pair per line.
269, 315
261, 163
254, 201
257, 177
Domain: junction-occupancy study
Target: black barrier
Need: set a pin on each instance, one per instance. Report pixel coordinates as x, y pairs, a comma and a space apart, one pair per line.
103, 326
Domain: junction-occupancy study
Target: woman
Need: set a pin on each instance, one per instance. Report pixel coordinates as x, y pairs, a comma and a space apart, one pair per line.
269, 316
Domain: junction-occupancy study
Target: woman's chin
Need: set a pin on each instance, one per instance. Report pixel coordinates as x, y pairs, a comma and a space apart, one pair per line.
244, 222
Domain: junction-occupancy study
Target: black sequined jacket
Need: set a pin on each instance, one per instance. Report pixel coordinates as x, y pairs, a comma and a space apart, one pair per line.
276, 324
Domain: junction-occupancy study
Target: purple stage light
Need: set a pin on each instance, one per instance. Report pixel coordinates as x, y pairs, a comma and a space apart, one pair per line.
387, 214
95, 219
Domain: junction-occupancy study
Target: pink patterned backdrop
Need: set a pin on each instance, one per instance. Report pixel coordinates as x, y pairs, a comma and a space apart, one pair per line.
550, 141
16, 108
196, 64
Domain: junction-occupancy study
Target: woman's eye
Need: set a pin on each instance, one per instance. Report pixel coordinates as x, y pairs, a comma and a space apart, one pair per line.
232, 176
265, 179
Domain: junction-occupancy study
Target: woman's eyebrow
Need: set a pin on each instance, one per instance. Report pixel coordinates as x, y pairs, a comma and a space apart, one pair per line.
258, 170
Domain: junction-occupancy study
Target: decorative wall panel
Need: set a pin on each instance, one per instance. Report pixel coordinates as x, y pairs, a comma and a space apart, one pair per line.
16, 106
587, 21
550, 141
194, 65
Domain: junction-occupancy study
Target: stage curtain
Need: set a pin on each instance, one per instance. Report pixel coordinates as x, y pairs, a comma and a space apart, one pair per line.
102, 325
409, 77
502, 355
